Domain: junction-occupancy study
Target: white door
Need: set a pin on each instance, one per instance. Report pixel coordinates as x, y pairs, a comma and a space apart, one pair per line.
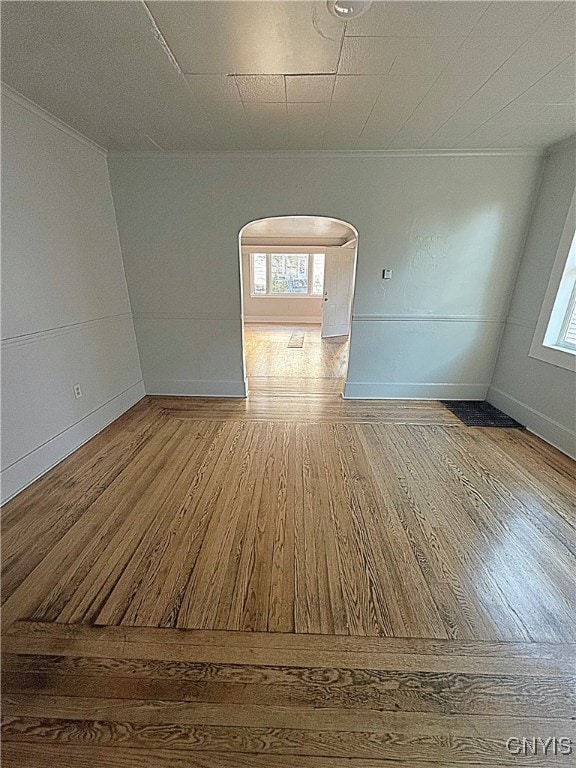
338, 289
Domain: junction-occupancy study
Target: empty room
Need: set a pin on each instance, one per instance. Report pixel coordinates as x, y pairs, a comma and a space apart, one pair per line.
288, 356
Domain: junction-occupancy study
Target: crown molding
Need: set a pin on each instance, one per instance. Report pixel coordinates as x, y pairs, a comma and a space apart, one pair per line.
10, 93
326, 154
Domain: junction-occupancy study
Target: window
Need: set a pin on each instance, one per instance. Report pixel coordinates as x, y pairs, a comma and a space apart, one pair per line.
568, 333
555, 337
286, 274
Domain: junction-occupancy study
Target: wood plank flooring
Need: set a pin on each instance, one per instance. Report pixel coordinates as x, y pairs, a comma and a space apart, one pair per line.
353, 527
124, 696
271, 366
291, 581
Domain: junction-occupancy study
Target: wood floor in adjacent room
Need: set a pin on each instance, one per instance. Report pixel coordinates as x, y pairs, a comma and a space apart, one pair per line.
291, 581
272, 366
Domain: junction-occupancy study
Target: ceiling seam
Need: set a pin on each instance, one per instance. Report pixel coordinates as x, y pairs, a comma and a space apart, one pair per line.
556, 141
440, 75
248, 121
335, 73
560, 63
365, 123
161, 40
153, 142
493, 74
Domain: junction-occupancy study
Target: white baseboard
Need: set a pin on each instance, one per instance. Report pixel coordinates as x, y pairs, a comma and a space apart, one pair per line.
373, 390
35, 464
535, 421
281, 319
197, 388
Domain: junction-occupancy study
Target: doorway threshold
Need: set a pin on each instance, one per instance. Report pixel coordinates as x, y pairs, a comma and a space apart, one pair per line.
283, 385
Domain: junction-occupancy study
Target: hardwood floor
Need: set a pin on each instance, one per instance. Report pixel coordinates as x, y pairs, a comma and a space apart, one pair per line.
291, 581
271, 366
119, 696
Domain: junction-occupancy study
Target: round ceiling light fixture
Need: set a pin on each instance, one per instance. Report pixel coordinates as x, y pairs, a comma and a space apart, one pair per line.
348, 9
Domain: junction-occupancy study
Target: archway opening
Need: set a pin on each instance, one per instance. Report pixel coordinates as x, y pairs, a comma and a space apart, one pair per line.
297, 287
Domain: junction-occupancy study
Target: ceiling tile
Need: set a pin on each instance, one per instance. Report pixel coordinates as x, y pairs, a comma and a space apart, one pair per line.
425, 55
478, 58
536, 135
562, 115
552, 42
417, 19
512, 116
466, 119
396, 102
312, 117
227, 117
213, 87
547, 48
552, 124
261, 112
102, 68
261, 88
557, 87
312, 112
309, 87
345, 123
341, 138
513, 18
250, 37
358, 87
289, 131
236, 138
382, 126
296, 139
305, 125
432, 112
368, 55
398, 90
98, 66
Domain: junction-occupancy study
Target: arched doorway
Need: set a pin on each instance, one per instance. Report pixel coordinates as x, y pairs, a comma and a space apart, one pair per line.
297, 285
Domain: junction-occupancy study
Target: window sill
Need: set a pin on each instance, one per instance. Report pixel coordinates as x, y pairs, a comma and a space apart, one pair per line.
559, 356
284, 296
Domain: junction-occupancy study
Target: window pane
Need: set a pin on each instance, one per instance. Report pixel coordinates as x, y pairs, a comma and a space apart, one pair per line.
561, 329
318, 274
568, 331
258, 274
570, 335
289, 272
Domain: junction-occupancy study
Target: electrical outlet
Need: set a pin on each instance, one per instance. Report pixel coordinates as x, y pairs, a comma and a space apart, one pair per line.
77, 391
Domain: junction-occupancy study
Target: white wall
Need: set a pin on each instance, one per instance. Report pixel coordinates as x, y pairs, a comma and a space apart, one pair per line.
65, 312
538, 394
263, 309
451, 228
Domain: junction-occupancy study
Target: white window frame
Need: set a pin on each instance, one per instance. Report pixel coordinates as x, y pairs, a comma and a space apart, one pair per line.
305, 250
557, 301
